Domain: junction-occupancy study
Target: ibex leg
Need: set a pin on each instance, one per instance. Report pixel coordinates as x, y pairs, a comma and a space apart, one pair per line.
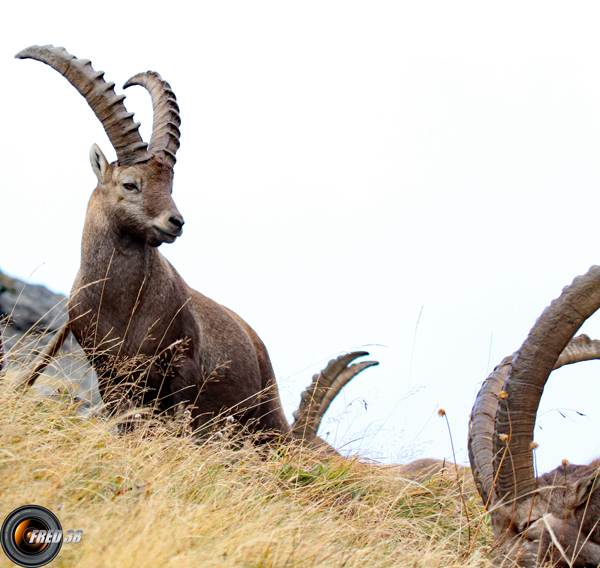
28, 377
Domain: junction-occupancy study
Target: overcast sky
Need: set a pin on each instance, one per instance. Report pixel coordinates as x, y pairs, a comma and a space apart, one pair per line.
420, 178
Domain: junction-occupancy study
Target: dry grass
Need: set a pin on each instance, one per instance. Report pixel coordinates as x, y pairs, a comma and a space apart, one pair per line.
151, 498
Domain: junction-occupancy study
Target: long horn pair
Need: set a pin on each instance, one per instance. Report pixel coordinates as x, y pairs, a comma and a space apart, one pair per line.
503, 417
110, 110
316, 398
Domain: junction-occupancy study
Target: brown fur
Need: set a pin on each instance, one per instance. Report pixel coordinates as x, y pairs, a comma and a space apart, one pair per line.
426, 468
143, 328
568, 501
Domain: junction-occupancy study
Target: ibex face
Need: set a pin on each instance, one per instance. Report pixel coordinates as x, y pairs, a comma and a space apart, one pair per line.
137, 198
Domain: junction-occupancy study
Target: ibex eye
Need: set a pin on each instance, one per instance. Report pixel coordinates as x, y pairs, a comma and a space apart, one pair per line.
527, 524
130, 186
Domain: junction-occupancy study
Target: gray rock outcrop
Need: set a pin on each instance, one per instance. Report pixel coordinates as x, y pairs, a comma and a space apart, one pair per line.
29, 316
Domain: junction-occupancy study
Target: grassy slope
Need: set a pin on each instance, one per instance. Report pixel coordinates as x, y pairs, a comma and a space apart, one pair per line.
161, 500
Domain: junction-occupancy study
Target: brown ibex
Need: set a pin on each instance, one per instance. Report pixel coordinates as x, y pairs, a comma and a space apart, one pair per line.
553, 518
139, 323
427, 468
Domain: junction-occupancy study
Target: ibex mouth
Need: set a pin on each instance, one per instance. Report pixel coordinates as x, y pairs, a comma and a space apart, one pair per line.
166, 236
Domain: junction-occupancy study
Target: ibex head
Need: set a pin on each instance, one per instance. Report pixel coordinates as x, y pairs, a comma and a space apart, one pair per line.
555, 517
557, 524
138, 197
135, 191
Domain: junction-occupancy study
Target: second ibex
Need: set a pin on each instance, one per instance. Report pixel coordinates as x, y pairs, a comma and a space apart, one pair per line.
139, 323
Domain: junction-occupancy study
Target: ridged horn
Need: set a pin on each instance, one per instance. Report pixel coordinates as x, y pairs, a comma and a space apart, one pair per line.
316, 398
515, 418
483, 415
108, 107
582, 348
481, 430
165, 128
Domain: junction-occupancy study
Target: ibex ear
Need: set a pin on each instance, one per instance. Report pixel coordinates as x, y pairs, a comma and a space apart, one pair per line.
99, 164
580, 493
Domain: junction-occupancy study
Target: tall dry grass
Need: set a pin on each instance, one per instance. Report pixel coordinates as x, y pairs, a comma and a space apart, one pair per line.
152, 498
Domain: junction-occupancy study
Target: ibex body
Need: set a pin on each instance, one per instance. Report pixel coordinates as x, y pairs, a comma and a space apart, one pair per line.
129, 302
427, 468
140, 324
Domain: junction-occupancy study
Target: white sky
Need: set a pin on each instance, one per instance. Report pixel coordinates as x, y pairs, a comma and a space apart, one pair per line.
344, 165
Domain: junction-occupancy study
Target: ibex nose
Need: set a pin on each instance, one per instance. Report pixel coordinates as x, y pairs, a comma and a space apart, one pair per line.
177, 221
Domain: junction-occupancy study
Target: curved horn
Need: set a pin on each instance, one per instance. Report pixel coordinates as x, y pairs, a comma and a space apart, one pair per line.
100, 95
481, 429
483, 415
340, 382
316, 398
515, 418
165, 128
582, 348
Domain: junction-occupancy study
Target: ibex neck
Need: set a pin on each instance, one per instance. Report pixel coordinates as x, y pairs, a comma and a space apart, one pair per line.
106, 252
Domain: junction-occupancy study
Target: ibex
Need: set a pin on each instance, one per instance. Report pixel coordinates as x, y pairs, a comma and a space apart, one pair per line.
139, 323
427, 468
555, 517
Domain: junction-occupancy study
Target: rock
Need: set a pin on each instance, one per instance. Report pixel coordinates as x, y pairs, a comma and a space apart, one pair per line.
31, 307
30, 314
